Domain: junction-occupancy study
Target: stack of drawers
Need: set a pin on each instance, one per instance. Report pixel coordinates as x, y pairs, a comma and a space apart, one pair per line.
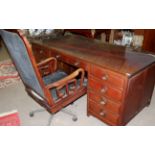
105, 95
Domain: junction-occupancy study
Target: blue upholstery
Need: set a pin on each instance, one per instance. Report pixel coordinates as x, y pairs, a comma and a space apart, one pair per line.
19, 55
58, 75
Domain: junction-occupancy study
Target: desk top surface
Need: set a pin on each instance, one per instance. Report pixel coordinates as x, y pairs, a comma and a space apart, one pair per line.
115, 58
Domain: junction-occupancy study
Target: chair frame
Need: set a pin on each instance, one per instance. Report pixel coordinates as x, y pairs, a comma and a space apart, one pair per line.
47, 101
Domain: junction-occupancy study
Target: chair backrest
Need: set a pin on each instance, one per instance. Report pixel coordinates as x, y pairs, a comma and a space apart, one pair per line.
21, 59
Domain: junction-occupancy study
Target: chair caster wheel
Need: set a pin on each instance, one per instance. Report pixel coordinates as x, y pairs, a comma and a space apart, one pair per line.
31, 114
74, 119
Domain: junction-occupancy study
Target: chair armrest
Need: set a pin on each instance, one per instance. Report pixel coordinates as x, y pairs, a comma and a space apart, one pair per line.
68, 79
66, 82
46, 66
47, 61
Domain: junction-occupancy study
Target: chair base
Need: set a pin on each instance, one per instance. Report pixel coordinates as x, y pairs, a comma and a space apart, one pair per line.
74, 117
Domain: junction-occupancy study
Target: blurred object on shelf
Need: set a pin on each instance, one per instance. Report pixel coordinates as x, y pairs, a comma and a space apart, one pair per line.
36, 32
138, 41
112, 35
43, 33
122, 37
127, 38
143, 39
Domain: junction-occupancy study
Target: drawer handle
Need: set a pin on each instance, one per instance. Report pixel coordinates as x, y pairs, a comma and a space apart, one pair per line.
76, 64
102, 113
104, 90
103, 101
105, 77
41, 51
58, 56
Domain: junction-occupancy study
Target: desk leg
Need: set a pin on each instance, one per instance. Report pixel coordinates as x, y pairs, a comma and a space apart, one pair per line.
88, 114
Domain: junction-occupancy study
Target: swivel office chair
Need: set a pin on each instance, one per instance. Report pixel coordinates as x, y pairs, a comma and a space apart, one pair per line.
51, 88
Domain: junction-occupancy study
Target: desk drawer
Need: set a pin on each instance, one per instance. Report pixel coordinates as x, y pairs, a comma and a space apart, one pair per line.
103, 89
104, 102
102, 113
107, 76
73, 61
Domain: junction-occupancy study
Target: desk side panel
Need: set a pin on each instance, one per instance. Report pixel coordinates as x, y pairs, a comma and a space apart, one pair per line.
139, 93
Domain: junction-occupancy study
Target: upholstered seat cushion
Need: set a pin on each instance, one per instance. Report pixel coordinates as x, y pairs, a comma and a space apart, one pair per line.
58, 75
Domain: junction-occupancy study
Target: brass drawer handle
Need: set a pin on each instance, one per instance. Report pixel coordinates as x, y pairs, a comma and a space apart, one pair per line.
103, 101
58, 56
105, 77
104, 90
102, 113
76, 64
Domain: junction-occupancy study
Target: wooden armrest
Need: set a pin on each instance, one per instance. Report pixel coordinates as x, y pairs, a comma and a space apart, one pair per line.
47, 61
47, 66
68, 79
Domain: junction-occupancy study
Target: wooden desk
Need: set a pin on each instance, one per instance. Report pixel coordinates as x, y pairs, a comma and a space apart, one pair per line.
120, 82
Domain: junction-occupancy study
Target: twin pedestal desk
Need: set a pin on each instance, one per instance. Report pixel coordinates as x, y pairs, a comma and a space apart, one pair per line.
120, 82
